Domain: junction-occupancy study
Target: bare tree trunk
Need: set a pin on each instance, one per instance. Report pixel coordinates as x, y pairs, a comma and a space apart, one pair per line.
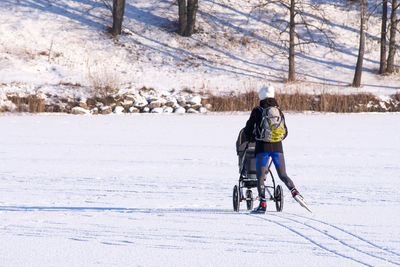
361, 50
382, 62
193, 5
301, 27
292, 72
392, 38
118, 16
187, 16
182, 17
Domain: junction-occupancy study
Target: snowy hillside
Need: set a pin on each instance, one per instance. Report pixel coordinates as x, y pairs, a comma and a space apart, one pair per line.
61, 47
151, 190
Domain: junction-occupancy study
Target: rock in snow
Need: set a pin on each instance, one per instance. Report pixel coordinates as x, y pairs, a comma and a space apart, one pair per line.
157, 110
94, 111
79, 111
133, 110
202, 110
180, 110
156, 104
140, 103
194, 100
168, 110
105, 110
192, 110
119, 110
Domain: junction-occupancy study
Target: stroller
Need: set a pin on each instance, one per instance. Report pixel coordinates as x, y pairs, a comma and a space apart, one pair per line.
245, 150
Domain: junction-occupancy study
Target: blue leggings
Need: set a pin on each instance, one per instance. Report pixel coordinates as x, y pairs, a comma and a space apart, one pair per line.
261, 164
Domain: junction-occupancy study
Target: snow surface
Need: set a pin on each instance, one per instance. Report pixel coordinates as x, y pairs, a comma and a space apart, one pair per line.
155, 190
50, 46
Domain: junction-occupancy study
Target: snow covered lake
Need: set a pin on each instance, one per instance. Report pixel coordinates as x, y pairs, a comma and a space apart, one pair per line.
156, 190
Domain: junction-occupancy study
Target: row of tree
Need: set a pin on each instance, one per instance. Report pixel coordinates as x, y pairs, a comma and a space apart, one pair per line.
298, 23
187, 16
386, 62
388, 66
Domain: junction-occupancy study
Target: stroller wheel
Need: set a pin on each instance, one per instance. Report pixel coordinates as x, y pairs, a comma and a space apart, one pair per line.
278, 195
249, 199
236, 198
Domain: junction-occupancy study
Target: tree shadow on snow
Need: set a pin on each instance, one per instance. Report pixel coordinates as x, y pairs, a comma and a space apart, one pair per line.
145, 16
68, 10
328, 63
278, 47
179, 54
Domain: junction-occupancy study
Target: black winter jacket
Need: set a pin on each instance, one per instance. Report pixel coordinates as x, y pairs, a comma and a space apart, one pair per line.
255, 121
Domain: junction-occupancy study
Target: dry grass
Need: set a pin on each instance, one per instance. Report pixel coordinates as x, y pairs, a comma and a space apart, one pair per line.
69, 84
31, 104
394, 104
305, 102
43, 53
104, 81
235, 102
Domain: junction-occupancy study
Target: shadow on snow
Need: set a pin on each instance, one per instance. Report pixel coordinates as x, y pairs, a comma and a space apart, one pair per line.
116, 209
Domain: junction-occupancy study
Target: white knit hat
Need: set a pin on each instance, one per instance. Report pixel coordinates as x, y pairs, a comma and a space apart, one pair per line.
266, 92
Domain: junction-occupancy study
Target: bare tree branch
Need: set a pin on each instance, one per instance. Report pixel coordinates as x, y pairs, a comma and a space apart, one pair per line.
107, 4
299, 28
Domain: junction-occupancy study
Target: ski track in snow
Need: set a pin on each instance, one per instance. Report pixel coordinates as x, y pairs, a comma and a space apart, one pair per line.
325, 244
317, 243
322, 234
162, 185
353, 235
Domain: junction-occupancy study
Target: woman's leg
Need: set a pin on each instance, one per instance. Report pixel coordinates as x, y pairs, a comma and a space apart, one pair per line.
279, 162
261, 166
